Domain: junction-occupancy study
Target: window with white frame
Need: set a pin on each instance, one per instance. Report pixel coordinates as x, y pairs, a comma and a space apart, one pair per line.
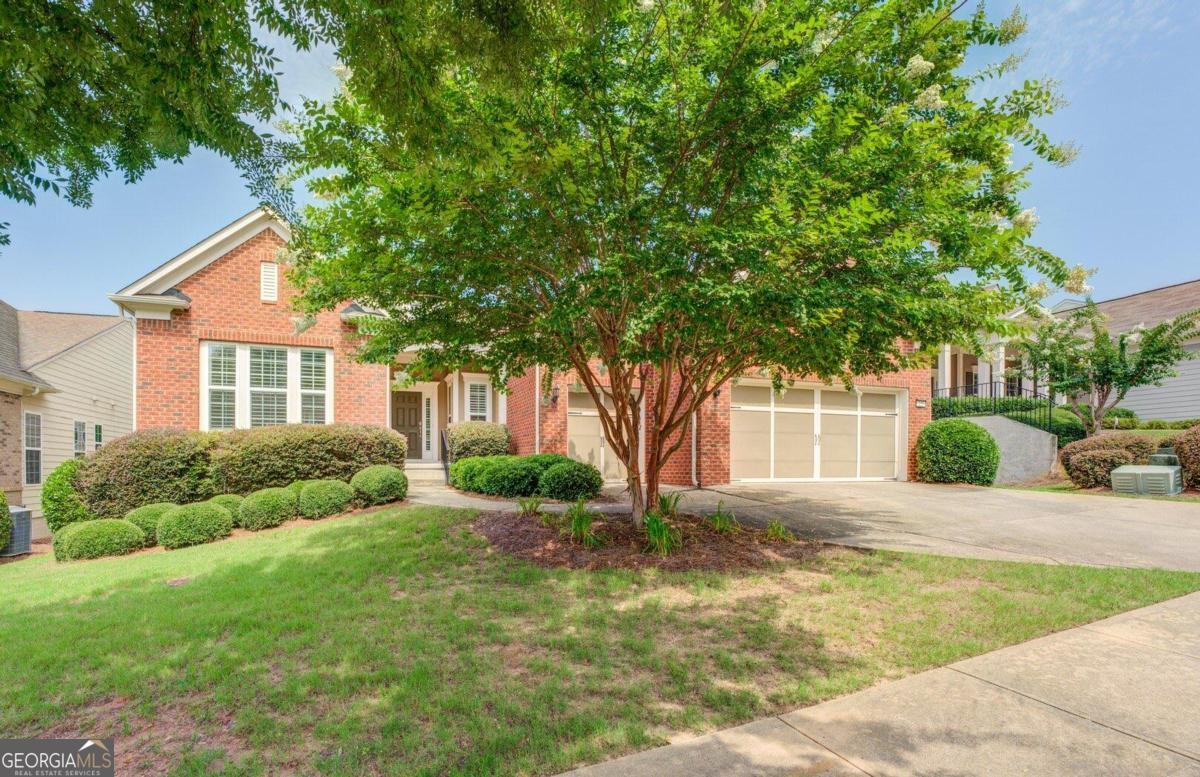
479, 400
99, 436
33, 449
268, 282
80, 439
264, 385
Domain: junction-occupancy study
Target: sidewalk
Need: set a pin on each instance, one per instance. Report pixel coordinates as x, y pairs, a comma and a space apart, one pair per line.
1120, 696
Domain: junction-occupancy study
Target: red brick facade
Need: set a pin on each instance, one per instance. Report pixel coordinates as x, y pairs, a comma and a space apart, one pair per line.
225, 306
11, 446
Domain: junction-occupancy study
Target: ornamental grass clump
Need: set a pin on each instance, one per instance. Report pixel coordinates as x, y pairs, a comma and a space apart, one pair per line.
723, 521
578, 521
662, 539
777, 532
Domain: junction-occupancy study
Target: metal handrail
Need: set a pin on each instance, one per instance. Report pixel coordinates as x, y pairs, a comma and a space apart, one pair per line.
445, 455
995, 398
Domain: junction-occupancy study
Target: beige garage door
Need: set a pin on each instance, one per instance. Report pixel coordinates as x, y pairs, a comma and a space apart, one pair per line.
812, 434
585, 437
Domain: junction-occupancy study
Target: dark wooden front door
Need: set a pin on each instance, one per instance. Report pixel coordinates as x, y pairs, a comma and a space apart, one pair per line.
406, 419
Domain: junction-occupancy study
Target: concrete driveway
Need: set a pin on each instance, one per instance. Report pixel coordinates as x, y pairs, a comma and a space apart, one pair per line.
993, 523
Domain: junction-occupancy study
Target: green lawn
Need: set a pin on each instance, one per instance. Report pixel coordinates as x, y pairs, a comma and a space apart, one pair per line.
1067, 487
397, 643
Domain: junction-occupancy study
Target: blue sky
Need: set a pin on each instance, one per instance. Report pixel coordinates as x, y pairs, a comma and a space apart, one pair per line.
1127, 207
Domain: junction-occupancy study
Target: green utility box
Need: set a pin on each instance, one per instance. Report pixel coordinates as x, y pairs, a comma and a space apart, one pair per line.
1153, 479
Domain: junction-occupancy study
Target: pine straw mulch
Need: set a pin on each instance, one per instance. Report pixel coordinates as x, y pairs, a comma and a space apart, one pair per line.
625, 545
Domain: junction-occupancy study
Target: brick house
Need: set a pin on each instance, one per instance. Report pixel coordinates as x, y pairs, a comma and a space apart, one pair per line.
219, 346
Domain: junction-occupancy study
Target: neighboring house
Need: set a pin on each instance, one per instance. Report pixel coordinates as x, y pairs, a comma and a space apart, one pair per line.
65, 387
219, 346
959, 373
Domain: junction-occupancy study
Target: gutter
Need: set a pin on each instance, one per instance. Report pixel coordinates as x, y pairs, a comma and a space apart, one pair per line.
537, 408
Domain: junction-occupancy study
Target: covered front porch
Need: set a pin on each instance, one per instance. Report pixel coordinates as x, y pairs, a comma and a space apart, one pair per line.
959, 373
422, 409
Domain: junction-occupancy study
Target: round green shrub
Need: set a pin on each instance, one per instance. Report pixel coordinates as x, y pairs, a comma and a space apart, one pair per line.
266, 508
297, 487
155, 465
379, 484
60, 497
1139, 447
570, 481
1187, 448
147, 517
465, 473
6, 522
1093, 469
322, 498
252, 459
231, 502
509, 476
956, 451
97, 538
476, 438
194, 524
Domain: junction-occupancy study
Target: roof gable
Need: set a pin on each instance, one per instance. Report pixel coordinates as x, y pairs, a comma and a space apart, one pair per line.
166, 276
44, 335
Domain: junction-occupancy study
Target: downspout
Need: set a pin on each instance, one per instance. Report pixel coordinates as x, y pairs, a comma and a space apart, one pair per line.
537, 408
695, 479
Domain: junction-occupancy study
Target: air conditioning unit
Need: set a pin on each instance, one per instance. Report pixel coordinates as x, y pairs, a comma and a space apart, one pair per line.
1152, 479
22, 532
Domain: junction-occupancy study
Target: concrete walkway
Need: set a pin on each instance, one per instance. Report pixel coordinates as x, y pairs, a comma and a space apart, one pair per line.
1118, 697
989, 523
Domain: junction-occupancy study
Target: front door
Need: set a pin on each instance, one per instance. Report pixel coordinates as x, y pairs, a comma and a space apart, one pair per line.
406, 419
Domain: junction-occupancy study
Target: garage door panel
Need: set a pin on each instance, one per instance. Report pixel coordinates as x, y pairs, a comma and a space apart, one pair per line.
749, 444
794, 439
839, 445
878, 446
874, 402
583, 439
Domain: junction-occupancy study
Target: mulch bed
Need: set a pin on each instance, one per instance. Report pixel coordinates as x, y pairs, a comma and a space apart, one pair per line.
624, 545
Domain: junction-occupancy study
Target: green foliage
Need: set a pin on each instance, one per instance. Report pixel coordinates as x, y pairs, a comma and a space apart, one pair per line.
97, 538
569, 481
1093, 469
322, 498
668, 503
379, 484
777, 532
723, 521
194, 524
61, 504
529, 506
544, 214
476, 438
662, 538
296, 487
950, 407
1187, 448
6, 522
1094, 370
154, 465
231, 502
1066, 426
577, 522
266, 508
1139, 448
510, 476
147, 517
1186, 423
957, 451
252, 459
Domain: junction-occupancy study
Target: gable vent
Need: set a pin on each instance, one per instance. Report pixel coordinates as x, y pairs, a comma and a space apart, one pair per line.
268, 282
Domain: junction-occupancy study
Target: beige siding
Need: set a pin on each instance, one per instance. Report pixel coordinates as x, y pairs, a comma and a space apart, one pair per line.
1176, 399
95, 385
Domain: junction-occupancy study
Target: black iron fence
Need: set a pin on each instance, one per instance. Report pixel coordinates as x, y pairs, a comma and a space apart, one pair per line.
995, 398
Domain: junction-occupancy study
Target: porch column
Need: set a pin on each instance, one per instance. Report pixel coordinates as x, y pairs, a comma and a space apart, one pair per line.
943, 368
454, 397
960, 379
983, 374
997, 369
502, 412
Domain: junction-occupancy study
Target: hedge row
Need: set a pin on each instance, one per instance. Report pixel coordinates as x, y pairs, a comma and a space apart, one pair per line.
550, 475
1088, 471
476, 438
185, 467
1187, 448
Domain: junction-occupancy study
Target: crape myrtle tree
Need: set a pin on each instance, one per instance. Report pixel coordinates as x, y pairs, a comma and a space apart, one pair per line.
1093, 369
678, 192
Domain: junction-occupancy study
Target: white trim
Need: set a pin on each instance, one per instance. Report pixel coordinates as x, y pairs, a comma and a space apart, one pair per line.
75, 451
206, 252
149, 306
477, 379
429, 394
242, 390
41, 449
537, 408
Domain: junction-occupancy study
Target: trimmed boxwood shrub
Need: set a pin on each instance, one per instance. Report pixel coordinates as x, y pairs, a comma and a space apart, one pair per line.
297, 487
252, 459
1139, 447
266, 508
1093, 469
97, 538
510, 476
1187, 448
147, 517
60, 497
155, 465
194, 524
379, 485
322, 498
476, 438
1157, 423
957, 451
570, 481
231, 502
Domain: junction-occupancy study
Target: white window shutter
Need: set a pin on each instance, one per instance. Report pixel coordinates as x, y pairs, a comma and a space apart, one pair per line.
268, 282
477, 401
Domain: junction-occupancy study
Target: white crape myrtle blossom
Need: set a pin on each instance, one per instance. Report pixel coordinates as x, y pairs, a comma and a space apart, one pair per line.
917, 67
646, 5
1026, 219
931, 99
1039, 290
741, 275
1077, 280
760, 6
822, 40
1135, 334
